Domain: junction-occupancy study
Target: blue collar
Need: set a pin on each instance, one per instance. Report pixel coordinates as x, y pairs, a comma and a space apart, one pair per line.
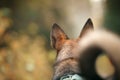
72, 77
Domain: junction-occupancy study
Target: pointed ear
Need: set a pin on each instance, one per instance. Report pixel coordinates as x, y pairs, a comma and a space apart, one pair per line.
57, 37
88, 27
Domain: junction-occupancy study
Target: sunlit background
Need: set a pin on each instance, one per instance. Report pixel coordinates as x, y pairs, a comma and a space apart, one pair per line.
25, 51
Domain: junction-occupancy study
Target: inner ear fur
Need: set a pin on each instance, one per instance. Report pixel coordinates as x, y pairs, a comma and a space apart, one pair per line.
57, 36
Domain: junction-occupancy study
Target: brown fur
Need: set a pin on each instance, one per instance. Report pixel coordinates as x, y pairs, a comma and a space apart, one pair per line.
78, 56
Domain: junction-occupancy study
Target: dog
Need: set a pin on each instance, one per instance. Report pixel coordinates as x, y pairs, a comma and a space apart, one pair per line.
75, 58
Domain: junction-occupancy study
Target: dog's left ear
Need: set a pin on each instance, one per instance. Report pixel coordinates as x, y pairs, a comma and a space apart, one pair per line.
88, 27
57, 37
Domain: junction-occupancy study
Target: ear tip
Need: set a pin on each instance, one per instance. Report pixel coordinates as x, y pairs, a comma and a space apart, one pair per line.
90, 21
55, 25
89, 18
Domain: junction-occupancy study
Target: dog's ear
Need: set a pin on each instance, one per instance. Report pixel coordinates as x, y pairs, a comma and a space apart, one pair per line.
88, 27
57, 37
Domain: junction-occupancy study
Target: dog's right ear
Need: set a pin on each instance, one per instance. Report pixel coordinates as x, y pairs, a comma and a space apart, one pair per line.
88, 27
57, 37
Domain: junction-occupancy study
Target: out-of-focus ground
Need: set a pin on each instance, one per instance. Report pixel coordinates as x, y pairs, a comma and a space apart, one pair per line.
25, 51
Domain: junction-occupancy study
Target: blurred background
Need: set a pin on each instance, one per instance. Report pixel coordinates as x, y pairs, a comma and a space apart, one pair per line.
25, 51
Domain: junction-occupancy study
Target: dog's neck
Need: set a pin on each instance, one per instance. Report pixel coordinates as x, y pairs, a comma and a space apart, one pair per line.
66, 67
66, 64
